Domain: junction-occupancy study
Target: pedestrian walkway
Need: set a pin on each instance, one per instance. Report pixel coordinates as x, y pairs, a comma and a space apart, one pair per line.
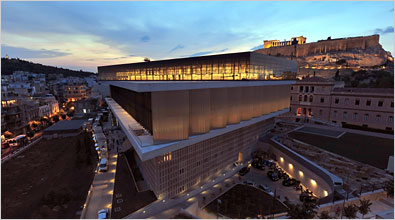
167, 208
101, 192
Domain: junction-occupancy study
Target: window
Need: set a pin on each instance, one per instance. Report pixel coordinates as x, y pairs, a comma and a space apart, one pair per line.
344, 114
300, 98
336, 100
182, 171
392, 104
322, 100
310, 112
300, 88
305, 98
312, 89
368, 102
311, 98
366, 117
320, 112
346, 101
334, 113
290, 98
380, 104
292, 88
390, 119
356, 101
304, 111
355, 116
378, 117
298, 111
198, 163
306, 89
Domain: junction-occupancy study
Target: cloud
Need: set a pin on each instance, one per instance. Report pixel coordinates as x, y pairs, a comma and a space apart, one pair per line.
206, 53
387, 30
145, 39
21, 52
178, 47
257, 47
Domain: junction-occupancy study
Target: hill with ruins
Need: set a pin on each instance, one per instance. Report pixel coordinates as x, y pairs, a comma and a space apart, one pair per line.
344, 55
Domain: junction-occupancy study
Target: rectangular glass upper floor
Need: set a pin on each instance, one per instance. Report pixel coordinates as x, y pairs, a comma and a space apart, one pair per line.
231, 66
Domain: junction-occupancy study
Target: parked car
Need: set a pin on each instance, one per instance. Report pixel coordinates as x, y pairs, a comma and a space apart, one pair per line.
236, 163
265, 188
251, 183
290, 182
103, 166
102, 214
244, 171
305, 197
273, 176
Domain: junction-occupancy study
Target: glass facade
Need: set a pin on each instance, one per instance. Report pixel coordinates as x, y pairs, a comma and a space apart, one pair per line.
235, 66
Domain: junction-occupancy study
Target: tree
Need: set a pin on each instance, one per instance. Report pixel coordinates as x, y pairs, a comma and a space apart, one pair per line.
364, 207
63, 117
324, 215
297, 211
350, 211
389, 188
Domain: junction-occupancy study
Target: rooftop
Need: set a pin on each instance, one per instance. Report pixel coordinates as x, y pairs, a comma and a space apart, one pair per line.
66, 125
154, 86
316, 79
365, 90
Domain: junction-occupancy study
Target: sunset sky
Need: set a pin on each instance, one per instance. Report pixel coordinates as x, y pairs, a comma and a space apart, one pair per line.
84, 35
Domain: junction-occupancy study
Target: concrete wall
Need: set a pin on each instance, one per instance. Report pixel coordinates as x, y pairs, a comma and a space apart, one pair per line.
372, 196
303, 50
311, 175
176, 115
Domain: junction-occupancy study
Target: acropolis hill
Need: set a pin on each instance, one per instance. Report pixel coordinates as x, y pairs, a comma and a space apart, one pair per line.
325, 57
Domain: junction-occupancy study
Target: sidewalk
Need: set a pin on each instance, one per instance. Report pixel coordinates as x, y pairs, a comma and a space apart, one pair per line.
203, 194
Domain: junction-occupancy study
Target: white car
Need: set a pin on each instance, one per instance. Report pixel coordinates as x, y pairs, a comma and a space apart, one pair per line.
266, 189
251, 183
102, 214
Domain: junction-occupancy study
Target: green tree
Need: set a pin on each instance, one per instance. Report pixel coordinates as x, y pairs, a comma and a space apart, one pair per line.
304, 211
364, 207
350, 211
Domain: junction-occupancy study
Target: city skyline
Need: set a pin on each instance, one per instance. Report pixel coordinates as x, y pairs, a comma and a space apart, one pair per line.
84, 35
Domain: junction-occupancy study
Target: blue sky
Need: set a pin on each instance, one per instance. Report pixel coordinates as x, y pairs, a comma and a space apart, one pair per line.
84, 35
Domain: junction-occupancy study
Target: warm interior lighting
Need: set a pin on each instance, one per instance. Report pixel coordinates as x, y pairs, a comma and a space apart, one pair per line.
325, 193
313, 182
281, 159
300, 173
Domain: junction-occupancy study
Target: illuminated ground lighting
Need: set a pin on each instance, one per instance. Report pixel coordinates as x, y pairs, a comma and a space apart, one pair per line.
281, 159
325, 193
144, 211
113, 171
313, 182
112, 180
213, 181
114, 163
110, 192
301, 173
216, 186
291, 166
108, 206
187, 194
204, 192
201, 187
164, 201
224, 174
191, 199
